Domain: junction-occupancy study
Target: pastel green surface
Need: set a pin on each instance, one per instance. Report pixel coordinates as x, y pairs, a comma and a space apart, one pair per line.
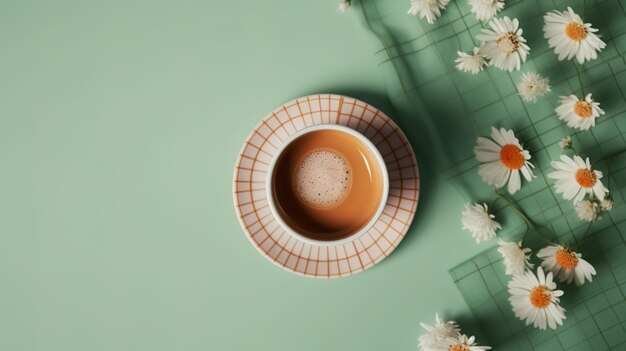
120, 123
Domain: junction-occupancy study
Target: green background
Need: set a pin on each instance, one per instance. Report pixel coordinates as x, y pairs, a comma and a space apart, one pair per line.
120, 123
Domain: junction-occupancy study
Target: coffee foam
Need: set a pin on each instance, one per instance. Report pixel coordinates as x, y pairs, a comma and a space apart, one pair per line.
322, 179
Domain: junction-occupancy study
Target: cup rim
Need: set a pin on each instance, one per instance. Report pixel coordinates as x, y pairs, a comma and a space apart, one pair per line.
372, 148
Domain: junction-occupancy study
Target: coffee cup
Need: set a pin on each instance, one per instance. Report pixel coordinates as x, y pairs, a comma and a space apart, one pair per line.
327, 185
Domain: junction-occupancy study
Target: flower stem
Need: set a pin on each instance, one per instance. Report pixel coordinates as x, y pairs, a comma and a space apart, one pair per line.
583, 239
580, 79
493, 202
529, 223
586, 230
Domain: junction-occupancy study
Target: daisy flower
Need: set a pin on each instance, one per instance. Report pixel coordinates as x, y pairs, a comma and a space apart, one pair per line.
516, 258
438, 332
566, 264
565, 143
460, 343
503, 44
479, 222
570, 37
343, 6
579, 113
484, 10
587, 210
473, 63
575, 178
607, 203
429, 9
535, 299
532, 86
503, 159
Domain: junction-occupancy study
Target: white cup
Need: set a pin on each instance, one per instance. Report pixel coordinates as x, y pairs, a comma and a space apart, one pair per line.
382, 168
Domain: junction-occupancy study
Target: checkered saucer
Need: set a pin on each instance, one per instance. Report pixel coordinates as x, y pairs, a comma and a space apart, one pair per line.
297, 256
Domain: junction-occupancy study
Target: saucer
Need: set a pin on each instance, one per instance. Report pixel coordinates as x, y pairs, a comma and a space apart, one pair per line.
291, 253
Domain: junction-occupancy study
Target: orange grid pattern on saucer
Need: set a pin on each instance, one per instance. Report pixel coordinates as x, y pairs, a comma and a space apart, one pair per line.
292, 254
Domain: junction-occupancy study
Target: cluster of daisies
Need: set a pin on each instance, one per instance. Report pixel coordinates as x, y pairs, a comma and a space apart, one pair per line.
504, 47
504, 161
447, 336
534, 295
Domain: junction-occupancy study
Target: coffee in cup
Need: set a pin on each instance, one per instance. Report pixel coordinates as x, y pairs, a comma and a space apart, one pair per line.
327, 184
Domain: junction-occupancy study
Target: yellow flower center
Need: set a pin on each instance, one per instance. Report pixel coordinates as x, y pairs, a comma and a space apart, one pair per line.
575, 31
458, 347
583, 109
540, 297
566, 259
511, 157
507, 43
585, 177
